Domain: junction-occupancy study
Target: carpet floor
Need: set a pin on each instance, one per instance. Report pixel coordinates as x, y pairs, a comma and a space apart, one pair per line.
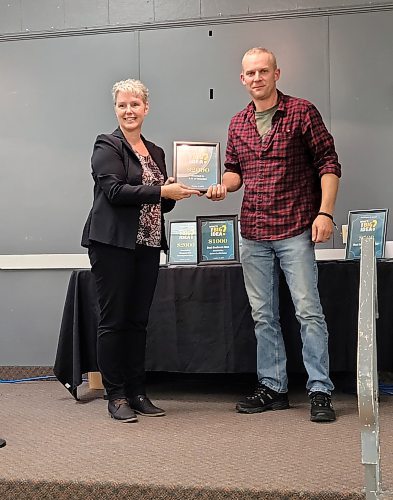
202, 449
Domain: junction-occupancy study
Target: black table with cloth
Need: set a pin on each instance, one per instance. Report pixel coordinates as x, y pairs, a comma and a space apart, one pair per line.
200, 322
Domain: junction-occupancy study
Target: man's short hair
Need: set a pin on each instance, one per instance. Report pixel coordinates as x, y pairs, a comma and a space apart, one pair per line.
259, 50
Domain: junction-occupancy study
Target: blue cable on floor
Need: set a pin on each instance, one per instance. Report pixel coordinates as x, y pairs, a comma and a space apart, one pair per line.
386, 389
30, 379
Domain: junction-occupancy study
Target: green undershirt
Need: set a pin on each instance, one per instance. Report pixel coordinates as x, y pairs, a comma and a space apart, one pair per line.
264, 120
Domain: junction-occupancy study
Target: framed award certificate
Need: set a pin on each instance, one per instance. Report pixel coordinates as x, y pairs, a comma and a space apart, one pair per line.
366, 223
217, 239
197, 164
182, 243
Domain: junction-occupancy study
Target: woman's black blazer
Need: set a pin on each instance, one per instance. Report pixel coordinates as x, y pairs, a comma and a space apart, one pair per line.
119, 192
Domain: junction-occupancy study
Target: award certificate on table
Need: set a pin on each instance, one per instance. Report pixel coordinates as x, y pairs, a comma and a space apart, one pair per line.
218, 239
197, 164
366, 223
182, 243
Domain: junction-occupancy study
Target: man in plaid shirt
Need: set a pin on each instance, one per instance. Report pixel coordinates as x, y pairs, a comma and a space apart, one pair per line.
281, 152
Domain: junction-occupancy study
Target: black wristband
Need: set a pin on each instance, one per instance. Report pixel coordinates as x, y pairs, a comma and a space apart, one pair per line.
330, 217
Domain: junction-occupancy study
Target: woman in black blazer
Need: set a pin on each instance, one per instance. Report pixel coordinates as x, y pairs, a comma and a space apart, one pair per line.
124, 234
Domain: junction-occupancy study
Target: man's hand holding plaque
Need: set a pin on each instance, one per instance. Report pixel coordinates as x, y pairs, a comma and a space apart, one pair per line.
216, 192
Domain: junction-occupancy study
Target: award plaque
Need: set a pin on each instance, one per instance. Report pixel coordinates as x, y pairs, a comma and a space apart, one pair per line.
182, 242
197, 164
366, 223
218, 239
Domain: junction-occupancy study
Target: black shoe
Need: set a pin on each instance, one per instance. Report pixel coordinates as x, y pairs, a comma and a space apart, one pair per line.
119, 409
142, 405
321, 407
2, 443
262, 399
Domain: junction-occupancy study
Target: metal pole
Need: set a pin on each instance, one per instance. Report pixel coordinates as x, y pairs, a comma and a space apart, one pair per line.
367, 380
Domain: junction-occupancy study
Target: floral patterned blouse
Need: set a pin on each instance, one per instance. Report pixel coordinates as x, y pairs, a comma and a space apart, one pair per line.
149, 231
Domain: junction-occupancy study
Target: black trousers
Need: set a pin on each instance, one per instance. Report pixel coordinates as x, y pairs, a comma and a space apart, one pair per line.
125, 281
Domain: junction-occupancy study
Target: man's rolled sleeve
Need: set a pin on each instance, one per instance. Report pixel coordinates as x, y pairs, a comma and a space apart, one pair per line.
231, 158
320, 143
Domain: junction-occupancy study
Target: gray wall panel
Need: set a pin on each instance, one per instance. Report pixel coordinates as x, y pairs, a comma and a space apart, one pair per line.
31, 306
131, 11
176, 9
193, 62
361, 48
296, 5
85, 13
47, 15
55, 98
214, 8
10, 16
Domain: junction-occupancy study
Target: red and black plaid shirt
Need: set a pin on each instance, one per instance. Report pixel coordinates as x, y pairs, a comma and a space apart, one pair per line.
281, 172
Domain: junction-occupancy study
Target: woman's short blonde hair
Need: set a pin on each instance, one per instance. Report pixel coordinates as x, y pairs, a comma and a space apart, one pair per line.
136, 87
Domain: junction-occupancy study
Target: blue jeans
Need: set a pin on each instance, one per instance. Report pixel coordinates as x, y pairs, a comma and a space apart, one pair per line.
261, 262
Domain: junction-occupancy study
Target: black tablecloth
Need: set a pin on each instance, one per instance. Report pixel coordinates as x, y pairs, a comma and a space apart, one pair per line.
200, 322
